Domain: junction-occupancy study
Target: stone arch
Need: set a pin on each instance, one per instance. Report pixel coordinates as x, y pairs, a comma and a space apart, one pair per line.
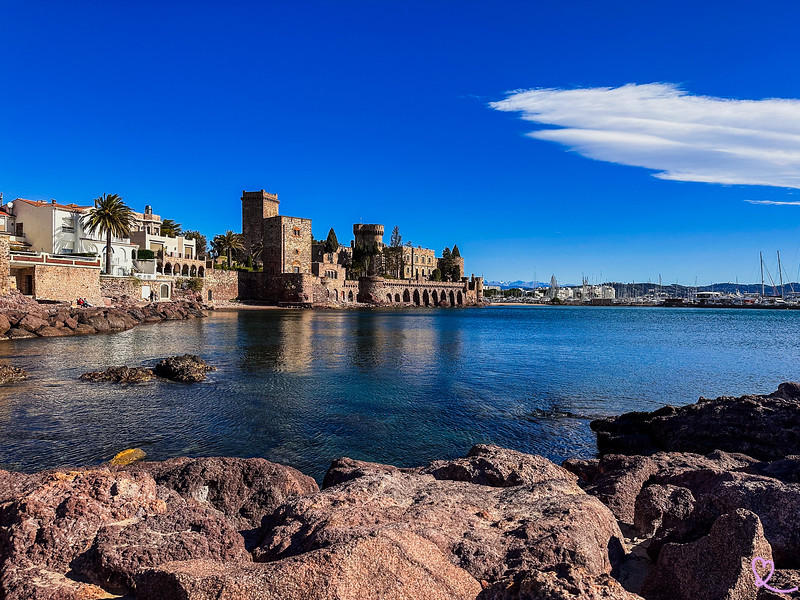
336, 295
176, 269
167, 269
350, 296
406, 296
201, 272
389, 298
452, 298
416, 297
460, 299
185, 271
163, 291
435, 298
210, 296
426, 298
193, 271
397, 298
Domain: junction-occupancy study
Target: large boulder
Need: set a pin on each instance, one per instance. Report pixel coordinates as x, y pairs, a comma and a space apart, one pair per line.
491, 532
397, 565
32, 323
764, 427
243, 489
186, 367
563, 582
715, 567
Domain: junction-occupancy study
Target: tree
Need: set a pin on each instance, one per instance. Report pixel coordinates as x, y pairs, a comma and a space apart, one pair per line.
257, 250
446, 264
229, 243
170, 228
436, 275
396, 239
110, 216
200, 242
456, 253
455, 265
331, 244
393, 254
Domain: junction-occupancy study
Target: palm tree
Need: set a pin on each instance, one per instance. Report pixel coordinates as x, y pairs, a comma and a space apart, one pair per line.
257, 250
170, 228
110, 216
230, 242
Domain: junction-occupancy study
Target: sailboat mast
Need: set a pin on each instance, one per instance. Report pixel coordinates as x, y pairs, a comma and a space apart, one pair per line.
780, 272
761, 258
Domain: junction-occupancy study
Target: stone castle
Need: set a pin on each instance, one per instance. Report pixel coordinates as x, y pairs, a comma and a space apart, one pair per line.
298, 271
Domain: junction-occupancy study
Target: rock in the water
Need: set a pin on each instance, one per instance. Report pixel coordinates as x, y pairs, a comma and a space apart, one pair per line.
491, 532
764, 427
15, 333
186, 367
397, 565
243, 489
127, 457
715, 567
120, 375
9, 374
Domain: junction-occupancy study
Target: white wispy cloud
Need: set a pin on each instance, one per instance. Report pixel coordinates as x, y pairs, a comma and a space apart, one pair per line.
661, 127
773, 202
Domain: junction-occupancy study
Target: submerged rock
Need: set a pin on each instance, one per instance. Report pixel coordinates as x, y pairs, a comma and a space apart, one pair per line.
186, 367
764, 427
9, 374
120, 375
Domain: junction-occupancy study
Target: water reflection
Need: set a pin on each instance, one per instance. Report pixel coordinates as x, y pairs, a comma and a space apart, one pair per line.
396, 386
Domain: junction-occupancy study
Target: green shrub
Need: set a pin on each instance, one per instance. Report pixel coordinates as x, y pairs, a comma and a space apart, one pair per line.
145, 254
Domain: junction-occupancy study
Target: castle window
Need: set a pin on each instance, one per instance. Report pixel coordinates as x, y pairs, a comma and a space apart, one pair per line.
296, 251
296, 232
296, 269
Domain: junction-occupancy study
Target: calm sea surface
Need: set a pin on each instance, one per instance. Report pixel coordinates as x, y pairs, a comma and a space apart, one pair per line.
397, 386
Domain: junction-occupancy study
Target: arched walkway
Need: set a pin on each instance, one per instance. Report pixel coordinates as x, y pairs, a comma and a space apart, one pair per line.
167, 269
406, 296
185, 271
389, 298
416, 297
397, 298
460, 299
350, 296
201, 272
193, 271
452, 298
426, 298
435, 298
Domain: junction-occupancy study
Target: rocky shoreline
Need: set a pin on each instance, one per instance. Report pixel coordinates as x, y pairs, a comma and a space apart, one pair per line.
657, 516
22, 318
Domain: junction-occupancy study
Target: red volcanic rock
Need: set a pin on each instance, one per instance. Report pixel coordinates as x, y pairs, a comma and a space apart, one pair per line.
9, 374
618, 479
498, 467
562, 582
31, 323
488, 531
5, 325
243, 489
186, 367
764, 427
715, 567
397, 565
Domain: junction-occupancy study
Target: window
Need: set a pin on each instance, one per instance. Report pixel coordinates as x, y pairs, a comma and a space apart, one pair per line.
68, 224
296, 251
68, 248
296, 269
296, 232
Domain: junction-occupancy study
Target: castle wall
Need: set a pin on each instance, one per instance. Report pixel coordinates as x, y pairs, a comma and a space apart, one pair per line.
287, 245
221, 286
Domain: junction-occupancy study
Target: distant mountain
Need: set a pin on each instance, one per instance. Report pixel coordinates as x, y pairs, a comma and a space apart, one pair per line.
507, 285
642, 289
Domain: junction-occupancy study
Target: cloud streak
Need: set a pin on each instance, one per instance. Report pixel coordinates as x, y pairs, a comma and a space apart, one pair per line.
773, 202
680, 136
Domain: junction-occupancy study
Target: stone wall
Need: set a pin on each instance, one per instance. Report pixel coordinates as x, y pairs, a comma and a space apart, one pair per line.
221, 286
116, 287
5, 265
67, 284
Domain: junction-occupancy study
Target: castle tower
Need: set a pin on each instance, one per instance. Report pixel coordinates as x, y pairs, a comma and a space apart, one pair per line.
256, 206
370, 235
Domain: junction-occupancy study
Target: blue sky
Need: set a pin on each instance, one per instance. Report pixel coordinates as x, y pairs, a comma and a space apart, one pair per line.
403, 113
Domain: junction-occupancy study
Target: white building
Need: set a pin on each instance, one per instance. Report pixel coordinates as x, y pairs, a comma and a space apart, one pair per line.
59, 229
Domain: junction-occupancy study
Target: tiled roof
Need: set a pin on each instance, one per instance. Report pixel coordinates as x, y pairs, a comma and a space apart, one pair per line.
56, 204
